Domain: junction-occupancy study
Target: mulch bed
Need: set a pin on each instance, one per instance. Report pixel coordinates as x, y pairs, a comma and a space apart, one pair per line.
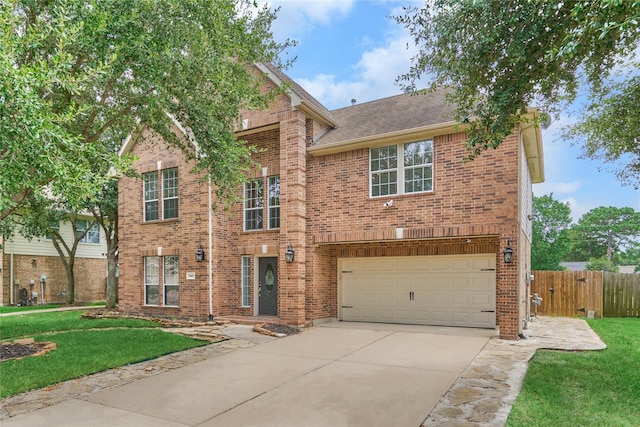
20, 349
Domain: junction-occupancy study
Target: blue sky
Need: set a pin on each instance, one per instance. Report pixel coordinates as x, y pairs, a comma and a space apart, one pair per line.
351, 49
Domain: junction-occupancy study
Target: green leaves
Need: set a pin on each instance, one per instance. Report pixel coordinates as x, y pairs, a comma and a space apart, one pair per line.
501, 56
78, 77
550, 240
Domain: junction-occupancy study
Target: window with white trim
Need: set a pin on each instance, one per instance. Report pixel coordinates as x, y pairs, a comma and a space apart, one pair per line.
170, 276
153, 188
246, 281
170, 193
253, 204
161, 270
413, 173
274, 202
150, 196
151, 280
92, 236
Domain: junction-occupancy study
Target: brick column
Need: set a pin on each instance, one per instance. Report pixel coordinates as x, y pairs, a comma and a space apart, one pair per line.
293, 218
508, 290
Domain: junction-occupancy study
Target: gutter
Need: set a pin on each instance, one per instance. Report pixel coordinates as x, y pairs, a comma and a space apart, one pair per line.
11, 290
210, 257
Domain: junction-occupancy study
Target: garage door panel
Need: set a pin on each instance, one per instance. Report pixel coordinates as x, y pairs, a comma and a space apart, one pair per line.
448, 290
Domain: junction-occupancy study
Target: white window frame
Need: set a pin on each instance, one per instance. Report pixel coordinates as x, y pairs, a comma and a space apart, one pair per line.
400, 168
169, 192
246, 281
148, 283
92, 236
146, 191
170, 280
273, 202
253, 203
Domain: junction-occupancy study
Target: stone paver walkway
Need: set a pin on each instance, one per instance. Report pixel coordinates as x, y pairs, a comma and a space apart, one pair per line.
482, 396
485, 392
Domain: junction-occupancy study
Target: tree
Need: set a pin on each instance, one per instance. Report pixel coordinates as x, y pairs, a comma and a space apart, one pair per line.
551, 220
77, 73
611, 128
606, 231
601, 264
43, 218
105, 213
629, 257
500, 56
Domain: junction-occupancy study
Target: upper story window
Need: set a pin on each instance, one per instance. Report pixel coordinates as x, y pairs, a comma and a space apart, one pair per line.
411, 173
170, 193
55, 228
92, 235
274, 202
253, 204
152, 191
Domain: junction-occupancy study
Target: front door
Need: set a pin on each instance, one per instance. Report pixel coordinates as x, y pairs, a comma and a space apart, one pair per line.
268, 286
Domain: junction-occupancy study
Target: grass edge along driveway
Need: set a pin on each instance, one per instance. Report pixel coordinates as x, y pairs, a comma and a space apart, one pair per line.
591, 388
84, 346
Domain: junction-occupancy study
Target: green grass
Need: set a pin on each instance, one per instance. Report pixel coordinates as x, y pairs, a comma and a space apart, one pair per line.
85, 346
592, 388
39, 323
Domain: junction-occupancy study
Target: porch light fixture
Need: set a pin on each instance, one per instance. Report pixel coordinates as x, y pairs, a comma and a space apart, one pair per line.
289, 254
508, 253
200, 254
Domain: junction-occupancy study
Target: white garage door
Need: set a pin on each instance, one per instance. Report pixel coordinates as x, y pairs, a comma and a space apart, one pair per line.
456, 290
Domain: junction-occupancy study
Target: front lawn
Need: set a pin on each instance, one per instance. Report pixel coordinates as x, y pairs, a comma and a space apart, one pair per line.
85, 346
591, 388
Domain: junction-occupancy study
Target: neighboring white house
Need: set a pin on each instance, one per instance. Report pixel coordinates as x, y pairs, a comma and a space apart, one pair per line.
36, 267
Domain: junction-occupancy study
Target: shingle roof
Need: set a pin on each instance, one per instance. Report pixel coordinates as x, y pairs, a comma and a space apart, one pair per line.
387, 115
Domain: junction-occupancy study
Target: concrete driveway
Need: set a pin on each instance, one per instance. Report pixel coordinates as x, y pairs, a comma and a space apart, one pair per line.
336, 374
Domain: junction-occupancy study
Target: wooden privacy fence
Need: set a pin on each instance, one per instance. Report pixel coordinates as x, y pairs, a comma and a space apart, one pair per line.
575, 293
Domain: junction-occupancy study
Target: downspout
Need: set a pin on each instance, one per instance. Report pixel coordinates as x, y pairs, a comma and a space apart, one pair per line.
210, 257
11, 298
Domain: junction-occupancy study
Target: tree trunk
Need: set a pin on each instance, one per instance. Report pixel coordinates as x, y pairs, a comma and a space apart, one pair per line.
112, 280
71, 280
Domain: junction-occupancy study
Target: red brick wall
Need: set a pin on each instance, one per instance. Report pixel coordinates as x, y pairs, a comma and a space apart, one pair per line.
176, 236
90, 278
324, 201
469, 199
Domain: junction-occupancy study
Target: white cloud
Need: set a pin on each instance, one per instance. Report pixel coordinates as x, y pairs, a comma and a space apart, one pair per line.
578, 209
373, 76
556, 188
298, 17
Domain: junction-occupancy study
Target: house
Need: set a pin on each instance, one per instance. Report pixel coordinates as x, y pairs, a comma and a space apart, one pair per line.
34, 265
372, 204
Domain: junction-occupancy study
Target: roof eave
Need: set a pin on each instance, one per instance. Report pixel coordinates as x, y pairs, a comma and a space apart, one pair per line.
297, 102
532, 141
423, 132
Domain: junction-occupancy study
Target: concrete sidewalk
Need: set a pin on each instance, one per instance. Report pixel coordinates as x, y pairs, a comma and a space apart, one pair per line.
337, 375
50, 310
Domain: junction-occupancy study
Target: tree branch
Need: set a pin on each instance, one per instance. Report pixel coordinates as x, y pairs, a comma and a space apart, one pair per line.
108, 124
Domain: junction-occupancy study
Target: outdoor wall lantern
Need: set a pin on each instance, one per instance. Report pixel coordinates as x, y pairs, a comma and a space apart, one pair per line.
508, 253
289, 254
200, 254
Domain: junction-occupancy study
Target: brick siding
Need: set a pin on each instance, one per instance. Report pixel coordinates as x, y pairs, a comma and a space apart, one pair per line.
90, 278
326, 214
